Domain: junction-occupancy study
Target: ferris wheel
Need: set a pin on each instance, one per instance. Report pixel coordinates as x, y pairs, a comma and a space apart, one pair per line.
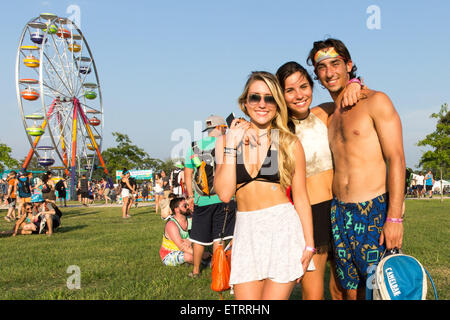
55, 67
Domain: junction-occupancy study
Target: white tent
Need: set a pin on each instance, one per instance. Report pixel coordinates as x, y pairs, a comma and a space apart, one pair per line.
437, 185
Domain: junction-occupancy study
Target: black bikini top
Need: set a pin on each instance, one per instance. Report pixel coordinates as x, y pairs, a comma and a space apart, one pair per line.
267, 173
124, 185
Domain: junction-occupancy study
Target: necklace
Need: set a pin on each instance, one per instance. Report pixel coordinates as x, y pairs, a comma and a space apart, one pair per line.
307, 115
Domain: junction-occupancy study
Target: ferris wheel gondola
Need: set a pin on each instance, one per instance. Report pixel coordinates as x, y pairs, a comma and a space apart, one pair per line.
55, 66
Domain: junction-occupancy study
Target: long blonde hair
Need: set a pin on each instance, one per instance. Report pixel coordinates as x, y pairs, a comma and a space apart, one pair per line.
285, 140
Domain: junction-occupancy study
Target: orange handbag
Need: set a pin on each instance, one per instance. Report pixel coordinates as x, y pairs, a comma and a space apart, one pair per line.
220, 270
221, 264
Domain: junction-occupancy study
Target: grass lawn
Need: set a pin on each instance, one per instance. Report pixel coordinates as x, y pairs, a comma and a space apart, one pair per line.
119, 259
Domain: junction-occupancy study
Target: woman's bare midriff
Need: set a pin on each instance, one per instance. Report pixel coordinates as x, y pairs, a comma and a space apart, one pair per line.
258, 195
319, 187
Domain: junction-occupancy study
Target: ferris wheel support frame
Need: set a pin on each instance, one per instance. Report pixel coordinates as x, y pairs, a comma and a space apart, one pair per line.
36, 140
78, 110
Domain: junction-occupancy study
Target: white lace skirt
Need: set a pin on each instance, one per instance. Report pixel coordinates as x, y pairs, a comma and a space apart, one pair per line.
268, 244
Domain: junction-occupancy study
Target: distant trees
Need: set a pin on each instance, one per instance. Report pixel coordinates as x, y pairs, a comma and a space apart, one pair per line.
438, 158
6, 161
128, 155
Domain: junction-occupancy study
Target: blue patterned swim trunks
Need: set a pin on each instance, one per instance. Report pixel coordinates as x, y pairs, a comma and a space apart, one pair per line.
356, 229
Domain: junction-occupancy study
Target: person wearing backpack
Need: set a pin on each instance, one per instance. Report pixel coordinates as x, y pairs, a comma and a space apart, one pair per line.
23, 191
61, 187
83, 186
177, 178
208, 210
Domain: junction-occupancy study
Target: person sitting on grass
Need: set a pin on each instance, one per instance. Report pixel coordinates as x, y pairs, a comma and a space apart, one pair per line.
25, 225
176, 248
38, 218
50, 219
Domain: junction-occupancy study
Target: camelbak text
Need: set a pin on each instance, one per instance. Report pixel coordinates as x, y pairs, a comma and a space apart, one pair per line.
392, 282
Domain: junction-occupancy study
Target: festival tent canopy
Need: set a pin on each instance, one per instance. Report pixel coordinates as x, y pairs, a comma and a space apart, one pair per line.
437, 185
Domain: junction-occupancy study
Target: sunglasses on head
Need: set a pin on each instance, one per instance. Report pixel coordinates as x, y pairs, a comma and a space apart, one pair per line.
255, 98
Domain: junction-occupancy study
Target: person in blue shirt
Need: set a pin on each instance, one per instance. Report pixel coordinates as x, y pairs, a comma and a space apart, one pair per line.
429, 182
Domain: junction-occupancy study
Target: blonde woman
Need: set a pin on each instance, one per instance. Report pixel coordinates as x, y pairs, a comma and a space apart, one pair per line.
273, 240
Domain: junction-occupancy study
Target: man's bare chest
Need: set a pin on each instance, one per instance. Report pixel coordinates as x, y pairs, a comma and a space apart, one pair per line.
349, 126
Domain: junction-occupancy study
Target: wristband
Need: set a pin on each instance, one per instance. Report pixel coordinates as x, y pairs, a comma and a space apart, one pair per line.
354, 80
310, 249
394, 220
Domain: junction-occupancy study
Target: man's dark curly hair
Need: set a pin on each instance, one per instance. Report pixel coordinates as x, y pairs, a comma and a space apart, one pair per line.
340, 48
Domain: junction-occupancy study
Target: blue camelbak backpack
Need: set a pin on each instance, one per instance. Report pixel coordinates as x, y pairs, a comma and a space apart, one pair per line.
400, 277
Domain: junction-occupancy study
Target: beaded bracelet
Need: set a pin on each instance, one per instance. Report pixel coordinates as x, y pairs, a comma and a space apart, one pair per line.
394, 220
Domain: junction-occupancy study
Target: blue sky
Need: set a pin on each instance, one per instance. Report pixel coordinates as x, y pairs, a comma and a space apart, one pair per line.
165, 64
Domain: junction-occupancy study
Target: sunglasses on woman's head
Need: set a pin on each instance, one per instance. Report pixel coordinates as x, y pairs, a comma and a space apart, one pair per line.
255, 98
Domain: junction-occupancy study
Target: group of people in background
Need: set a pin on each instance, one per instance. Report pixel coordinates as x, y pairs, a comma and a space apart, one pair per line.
35, 201
421, 185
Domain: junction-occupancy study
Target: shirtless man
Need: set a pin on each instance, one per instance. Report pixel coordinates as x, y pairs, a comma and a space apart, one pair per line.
365, 140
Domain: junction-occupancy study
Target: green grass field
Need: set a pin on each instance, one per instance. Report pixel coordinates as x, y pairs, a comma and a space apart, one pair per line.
119, 259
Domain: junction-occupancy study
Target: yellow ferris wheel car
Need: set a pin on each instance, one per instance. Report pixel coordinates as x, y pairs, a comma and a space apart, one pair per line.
74, 47
31, 61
